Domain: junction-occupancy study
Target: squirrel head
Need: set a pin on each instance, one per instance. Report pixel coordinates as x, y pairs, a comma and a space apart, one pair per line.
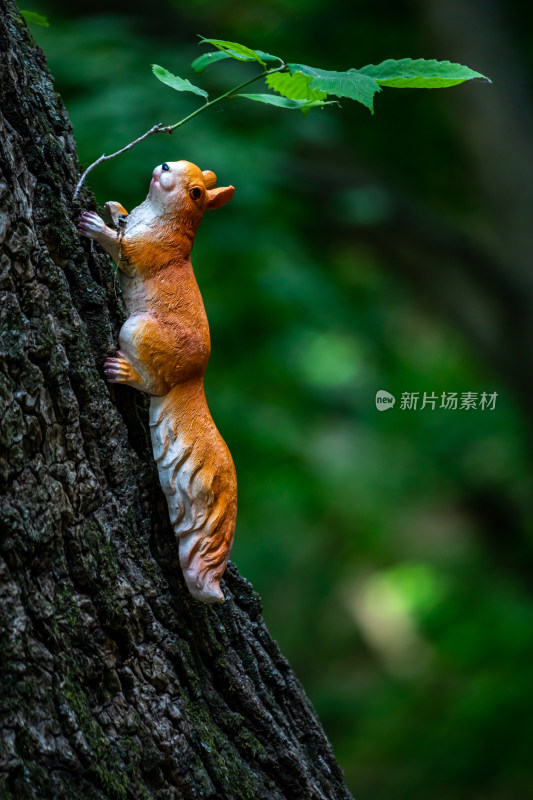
181, 188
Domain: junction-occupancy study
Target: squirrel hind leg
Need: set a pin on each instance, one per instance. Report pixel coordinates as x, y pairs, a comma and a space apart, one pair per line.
119, 370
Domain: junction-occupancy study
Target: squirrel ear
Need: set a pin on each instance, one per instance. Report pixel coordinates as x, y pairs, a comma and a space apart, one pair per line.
219, 197
209, 178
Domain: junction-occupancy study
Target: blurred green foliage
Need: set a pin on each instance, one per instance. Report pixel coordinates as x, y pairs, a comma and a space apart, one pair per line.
390, 549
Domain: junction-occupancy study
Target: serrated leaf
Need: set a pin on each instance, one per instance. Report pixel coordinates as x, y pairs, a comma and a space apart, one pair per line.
296, 86
350, 84
180, 84
234, 50
285, 102
37, 19
419, 73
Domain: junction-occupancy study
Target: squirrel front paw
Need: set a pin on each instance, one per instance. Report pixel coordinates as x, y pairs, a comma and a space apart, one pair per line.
91, 225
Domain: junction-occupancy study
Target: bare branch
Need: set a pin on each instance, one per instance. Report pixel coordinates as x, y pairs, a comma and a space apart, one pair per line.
159, 128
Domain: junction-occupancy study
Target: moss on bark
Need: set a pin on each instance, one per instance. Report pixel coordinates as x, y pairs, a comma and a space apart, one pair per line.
116, 683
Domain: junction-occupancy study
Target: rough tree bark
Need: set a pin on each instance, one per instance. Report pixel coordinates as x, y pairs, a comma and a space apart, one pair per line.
115, 683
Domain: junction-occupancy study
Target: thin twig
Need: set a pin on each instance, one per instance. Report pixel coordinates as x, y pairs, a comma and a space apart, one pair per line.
159, 128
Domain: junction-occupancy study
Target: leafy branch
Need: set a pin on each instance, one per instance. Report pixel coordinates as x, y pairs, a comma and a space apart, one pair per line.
301, 87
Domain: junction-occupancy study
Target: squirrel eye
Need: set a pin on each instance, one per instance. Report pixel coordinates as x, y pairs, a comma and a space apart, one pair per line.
165, 167
196, 192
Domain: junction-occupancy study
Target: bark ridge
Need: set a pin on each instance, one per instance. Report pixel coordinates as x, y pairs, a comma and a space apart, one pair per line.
115, 682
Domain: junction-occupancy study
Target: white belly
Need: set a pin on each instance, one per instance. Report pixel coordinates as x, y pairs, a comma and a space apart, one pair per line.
133, 293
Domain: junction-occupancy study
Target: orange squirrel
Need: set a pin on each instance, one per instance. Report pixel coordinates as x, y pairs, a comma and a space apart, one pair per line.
164, 349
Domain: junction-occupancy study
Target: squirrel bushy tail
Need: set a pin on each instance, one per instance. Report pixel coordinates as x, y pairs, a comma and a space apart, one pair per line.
198, 478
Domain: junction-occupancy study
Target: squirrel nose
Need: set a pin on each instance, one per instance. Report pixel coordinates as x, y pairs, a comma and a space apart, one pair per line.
157, 172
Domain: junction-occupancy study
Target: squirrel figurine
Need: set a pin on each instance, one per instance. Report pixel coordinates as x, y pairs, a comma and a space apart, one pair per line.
164, 349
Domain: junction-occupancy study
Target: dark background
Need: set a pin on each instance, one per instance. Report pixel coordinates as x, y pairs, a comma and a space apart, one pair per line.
392, 550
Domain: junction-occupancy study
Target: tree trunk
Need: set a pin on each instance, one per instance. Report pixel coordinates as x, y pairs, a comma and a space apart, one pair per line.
115, 682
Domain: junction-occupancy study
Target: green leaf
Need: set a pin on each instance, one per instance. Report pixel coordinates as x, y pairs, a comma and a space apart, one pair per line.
37, 19
350, 84
420, 73
180, 84
239, 51
234, 50
296, 86
285, 102
203, 61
